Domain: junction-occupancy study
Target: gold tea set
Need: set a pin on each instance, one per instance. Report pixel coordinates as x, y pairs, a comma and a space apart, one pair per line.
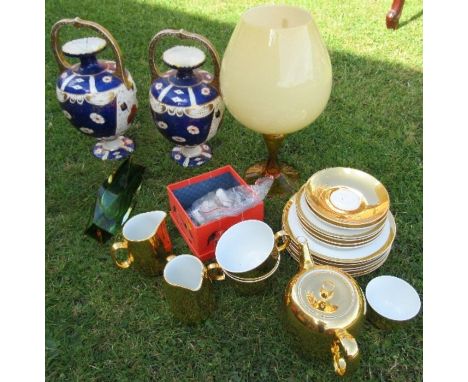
323, 305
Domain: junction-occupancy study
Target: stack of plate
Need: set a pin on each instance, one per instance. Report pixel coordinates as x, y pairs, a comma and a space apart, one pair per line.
344, 216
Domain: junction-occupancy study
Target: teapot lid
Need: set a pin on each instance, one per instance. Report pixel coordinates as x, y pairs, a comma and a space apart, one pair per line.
181, 56
329, 296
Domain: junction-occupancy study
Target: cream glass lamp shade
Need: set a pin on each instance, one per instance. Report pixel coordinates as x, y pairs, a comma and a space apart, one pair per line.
276, 73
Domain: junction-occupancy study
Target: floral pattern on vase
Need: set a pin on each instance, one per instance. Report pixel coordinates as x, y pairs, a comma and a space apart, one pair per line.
186, 105
96, 96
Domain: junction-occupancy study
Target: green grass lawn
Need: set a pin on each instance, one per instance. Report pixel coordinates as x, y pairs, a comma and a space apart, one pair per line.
110, 325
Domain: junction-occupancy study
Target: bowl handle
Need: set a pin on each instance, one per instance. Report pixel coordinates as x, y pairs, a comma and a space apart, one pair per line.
345, 352
180, 33
63, 64
282, 236
215, 272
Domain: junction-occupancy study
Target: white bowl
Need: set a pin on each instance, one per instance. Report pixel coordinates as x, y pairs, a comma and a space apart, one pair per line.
393, 298
245, 246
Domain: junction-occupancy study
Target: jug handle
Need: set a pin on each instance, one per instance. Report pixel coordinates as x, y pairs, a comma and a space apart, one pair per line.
63, 64
182, 34
345, 352
121, 264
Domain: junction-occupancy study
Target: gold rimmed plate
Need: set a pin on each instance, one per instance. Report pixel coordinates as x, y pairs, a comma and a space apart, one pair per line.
296, 253
296, 249
370, 251
334, 232
360, 268
334, 240
347, 197
353, 271
338, 244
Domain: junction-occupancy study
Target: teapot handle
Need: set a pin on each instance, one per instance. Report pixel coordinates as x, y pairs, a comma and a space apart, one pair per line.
63, 64
345, 352
155, 72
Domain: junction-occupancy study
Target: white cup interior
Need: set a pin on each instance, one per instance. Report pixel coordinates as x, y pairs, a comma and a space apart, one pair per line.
244, 246
393, 298
143, 226
185, 271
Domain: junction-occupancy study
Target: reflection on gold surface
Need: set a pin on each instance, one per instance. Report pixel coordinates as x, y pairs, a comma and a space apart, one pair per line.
347, 197
324, 309
347, 235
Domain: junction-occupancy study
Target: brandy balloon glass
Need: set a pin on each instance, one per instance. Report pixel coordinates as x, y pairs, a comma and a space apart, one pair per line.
276, 79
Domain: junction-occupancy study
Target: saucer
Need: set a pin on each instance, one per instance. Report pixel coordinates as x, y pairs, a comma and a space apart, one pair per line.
347, 197
333, 231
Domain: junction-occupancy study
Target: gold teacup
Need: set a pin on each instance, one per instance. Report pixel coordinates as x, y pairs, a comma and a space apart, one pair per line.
188, 288
249, 254
147, 242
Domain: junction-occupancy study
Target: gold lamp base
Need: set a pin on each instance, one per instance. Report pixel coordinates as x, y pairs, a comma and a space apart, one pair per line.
285, 176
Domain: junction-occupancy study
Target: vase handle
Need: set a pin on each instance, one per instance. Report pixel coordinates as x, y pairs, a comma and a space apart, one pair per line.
79, 23
180, 33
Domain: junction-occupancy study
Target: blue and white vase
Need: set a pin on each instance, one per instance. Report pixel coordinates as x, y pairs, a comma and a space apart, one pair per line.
98, 97
185, 102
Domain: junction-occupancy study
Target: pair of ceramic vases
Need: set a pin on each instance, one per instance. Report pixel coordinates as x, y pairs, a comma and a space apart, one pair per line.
99, 98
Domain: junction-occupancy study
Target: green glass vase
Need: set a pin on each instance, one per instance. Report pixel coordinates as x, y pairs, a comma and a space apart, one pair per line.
115, 201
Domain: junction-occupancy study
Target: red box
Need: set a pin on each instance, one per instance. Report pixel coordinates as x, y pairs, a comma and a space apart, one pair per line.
202, 239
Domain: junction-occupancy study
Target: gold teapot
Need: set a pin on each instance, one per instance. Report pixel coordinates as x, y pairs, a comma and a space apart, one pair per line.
324, 309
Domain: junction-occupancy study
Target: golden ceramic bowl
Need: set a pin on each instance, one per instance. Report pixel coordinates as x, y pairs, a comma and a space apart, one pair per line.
347, 197
249, 254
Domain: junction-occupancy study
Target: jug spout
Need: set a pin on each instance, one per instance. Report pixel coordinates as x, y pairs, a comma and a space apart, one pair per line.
156, 223
188, 289
155, 218
185, 271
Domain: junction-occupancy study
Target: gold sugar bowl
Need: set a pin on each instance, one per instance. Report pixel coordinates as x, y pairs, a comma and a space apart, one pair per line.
324, 309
